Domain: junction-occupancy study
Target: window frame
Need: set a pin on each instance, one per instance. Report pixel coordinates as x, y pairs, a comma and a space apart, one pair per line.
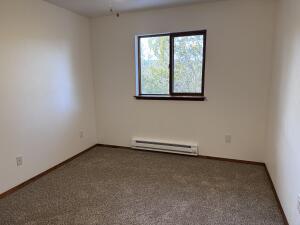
172, 95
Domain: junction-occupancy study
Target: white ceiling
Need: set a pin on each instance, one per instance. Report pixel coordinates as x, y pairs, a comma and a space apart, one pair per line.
93, 8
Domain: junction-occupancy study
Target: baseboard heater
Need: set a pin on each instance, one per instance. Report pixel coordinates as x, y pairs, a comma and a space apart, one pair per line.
165, 146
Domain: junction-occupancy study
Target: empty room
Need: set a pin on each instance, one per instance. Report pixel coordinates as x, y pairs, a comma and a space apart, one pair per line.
152, 112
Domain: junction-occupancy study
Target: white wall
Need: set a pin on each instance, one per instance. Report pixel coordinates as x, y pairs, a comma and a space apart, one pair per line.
283, 157
239, 49
46, 89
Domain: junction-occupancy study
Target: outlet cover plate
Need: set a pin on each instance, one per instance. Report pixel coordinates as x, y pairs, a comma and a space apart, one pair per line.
228, 139
81, 134
298, 203
19, 161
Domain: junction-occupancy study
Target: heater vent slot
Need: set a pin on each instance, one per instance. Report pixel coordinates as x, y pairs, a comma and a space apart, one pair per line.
165, 146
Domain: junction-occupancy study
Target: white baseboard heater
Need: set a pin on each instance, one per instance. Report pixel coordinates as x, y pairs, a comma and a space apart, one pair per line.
165, 146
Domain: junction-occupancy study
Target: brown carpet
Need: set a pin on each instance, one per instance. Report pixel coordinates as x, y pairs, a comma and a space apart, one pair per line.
109, 186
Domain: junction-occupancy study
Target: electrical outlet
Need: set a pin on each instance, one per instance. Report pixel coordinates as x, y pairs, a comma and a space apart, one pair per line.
19, 161
298, 203
228, 139
81, 134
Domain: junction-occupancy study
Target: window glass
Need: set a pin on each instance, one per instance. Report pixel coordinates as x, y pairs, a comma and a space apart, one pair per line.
154, 60
188, 61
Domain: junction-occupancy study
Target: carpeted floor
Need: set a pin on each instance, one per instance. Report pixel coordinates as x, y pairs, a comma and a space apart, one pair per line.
109, 186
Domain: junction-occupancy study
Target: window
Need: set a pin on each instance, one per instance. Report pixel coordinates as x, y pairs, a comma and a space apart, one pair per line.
171, 66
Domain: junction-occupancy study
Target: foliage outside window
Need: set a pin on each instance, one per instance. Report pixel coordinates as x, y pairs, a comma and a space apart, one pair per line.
171, 65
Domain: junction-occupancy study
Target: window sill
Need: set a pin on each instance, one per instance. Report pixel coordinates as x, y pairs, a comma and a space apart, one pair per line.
168, 97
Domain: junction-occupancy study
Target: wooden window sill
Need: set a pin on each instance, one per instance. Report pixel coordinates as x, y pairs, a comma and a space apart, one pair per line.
168, 97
